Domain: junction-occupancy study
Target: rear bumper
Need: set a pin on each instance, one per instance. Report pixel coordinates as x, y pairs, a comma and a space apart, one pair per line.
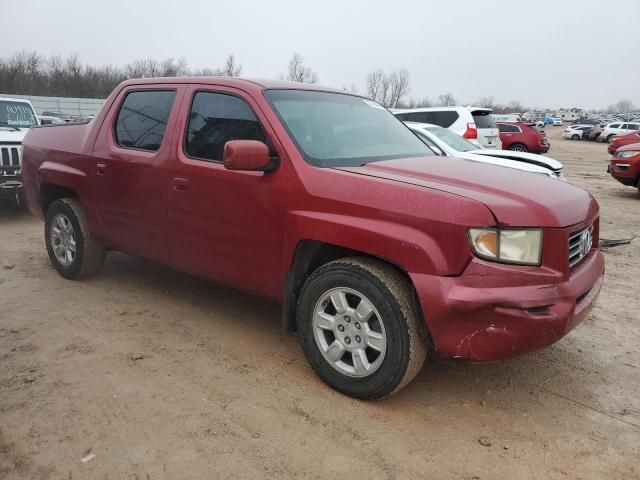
471, 319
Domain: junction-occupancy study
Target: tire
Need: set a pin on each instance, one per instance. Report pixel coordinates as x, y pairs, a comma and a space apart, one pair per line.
393, 338
575, 137
75, 253
518, 147
610, 138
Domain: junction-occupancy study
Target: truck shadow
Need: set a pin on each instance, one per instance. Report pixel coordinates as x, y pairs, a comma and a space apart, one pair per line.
9, 214
441, 383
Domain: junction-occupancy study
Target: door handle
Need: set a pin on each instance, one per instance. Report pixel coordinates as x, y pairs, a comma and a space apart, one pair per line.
101, 168
180, 184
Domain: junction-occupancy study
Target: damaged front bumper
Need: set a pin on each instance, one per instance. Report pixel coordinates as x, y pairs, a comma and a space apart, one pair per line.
494, 312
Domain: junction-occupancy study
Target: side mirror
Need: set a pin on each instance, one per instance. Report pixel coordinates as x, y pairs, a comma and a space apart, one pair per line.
247, 155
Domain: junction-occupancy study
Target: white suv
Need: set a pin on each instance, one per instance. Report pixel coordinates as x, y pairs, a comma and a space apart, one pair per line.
618, 128
476, 124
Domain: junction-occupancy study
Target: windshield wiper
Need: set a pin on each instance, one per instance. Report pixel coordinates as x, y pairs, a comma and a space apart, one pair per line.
4, 124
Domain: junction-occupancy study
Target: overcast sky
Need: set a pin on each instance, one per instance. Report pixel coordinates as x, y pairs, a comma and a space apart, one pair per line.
545, 53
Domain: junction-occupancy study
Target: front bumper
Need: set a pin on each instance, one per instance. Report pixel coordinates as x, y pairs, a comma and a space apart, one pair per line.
493, 313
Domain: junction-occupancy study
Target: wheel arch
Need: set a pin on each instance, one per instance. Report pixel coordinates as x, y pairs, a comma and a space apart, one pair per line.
50, 192
310, 255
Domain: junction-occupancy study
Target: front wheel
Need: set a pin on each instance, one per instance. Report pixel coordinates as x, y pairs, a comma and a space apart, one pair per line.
575, 137
360, 327
73, 250
610, 138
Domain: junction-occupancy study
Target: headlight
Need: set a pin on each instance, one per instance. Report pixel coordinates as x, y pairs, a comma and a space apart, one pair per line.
627, 154
522, 247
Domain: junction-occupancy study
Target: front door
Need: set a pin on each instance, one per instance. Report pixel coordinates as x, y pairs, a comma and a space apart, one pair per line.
226, 225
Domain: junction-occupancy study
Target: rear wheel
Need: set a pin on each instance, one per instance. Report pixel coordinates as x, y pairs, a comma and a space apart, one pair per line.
360, 327
73, 250
518, 147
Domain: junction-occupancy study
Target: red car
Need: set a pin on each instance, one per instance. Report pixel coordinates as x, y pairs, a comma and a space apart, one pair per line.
378, 251
619, 141
520, 137
625, 165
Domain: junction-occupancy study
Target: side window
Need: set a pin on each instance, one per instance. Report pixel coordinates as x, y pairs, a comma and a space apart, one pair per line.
624, 126
216, 118
402, 116
615, 125
420, 117
505, 128
443, 119
142, 119
634, 126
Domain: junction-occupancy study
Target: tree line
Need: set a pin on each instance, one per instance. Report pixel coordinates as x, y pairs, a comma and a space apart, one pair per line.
29, 73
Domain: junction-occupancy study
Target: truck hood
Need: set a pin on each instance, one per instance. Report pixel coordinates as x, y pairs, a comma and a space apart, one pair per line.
530, 158
516, 198
9, 135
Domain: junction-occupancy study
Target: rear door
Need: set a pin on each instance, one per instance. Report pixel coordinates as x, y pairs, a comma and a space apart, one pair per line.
131, 156
488, 134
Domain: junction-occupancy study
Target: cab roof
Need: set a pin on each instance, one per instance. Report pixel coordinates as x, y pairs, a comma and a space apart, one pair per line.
243, 83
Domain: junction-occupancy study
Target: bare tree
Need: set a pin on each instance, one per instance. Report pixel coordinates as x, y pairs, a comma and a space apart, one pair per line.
416, 103
447, 100
514, 106
378, 86
398, 87
486, 102
298, 72
388, 89
624, 106
353, 88
231, 67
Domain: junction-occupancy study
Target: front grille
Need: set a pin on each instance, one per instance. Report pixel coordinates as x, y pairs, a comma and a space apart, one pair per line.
580, 244
10, 155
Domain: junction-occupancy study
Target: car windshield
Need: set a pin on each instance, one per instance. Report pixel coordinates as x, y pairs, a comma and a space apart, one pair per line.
452, 139
340, 130
17, 114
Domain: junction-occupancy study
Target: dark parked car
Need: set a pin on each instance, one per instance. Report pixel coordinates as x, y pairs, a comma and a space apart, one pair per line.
520, 137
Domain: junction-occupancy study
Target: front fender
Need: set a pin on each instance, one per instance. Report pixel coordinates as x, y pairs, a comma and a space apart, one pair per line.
409, 248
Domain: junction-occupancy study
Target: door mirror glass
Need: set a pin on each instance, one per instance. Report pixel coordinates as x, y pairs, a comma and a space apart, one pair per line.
247, 155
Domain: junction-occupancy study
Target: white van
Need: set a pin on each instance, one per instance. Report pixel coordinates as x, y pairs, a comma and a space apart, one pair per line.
476, 124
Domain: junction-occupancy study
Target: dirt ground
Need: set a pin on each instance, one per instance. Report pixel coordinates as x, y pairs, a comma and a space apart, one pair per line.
144, 372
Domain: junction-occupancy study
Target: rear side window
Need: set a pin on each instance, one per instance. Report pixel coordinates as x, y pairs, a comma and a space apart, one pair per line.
634, 126
215, 119
142, 119
503, 127
442, 119
484, 120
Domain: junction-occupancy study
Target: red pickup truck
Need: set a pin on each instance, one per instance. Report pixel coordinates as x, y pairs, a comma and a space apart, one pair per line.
379, 251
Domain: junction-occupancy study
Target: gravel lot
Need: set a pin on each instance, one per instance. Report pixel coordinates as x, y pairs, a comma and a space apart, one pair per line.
144, 372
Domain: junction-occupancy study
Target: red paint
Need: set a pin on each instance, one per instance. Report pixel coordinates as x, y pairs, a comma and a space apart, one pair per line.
622, 140
535, 141
626, 170
242, 228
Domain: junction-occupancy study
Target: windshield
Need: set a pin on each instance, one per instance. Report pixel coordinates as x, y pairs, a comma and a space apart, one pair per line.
17, 114
340, 130
452, 139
